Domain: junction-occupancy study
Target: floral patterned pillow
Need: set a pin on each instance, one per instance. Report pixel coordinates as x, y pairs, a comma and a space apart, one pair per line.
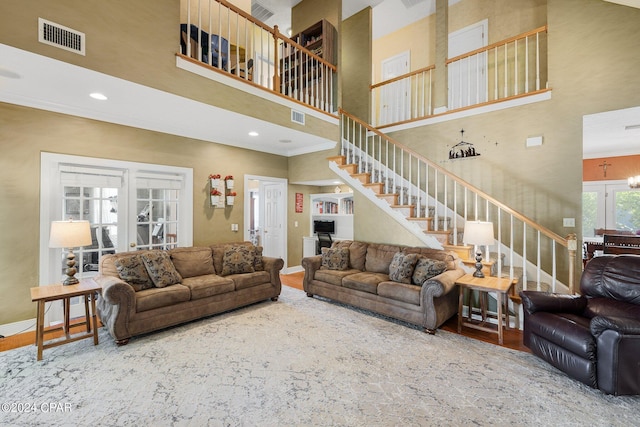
258, 264
335, 258
426, 268
161, 269
131, 269
238, 259
401, 267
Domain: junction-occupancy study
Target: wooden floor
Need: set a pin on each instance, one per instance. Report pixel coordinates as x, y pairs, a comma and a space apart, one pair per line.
512, 338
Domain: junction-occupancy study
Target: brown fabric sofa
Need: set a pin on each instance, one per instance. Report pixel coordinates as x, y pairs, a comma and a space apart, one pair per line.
365, 282
187, 284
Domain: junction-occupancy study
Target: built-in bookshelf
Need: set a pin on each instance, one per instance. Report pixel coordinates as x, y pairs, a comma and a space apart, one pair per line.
335, 207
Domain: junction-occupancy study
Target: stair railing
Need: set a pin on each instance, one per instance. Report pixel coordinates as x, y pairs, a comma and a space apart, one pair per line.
452, 200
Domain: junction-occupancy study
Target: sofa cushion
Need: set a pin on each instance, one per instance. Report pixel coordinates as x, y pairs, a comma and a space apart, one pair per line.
208, 285
379, 257
400, 292
425, 269
149, 299
218, 249
161, 269
191, 262
364, 281
335, 258
333, 277
238, 259
357, 252
132, 270
450, 257
401, 267
249, 280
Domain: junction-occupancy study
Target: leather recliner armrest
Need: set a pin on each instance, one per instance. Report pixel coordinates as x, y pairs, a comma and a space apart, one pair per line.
624, 325
534, 301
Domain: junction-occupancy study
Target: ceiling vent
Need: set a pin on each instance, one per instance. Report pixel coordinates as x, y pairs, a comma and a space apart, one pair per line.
410, 3
60, 36
260, 12
297, 117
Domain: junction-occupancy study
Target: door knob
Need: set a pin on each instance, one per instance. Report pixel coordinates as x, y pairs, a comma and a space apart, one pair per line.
132, 245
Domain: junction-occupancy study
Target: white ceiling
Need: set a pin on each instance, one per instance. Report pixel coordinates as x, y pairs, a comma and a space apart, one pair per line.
40, 82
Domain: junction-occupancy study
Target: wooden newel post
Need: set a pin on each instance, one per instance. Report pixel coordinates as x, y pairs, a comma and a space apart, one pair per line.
276, 62
572, 246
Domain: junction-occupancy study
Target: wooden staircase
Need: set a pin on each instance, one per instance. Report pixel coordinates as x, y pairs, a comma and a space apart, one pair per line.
464, 252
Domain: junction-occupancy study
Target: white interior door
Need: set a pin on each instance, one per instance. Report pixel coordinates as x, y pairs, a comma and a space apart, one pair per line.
468, 77
266, 214
395, 98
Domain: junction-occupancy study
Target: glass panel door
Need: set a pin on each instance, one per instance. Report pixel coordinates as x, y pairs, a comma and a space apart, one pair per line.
157, 218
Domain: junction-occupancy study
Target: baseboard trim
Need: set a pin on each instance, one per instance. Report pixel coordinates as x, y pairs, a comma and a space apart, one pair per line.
294, 269
9, 329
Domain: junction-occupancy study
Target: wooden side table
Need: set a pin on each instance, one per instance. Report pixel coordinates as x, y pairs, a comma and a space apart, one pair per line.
501, 286
43, 294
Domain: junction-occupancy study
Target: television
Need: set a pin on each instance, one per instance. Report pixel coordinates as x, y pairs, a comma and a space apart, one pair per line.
324, 227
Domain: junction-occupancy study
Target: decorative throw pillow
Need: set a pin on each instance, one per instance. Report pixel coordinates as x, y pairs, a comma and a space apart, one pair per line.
258, 265
426, 268
401, 267
161, 269
131, 269
237, 260
335, 258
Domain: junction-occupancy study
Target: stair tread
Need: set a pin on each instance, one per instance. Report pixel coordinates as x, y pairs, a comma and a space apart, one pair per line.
417, 218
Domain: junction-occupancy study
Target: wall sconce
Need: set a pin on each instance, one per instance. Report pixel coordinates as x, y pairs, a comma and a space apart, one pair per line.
634, 181
478, 233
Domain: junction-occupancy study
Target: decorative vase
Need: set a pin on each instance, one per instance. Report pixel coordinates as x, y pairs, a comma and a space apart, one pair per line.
229, 183
230, 200
215, 200
215, 182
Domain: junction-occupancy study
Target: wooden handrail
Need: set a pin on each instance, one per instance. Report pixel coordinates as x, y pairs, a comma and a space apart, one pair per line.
404, 76
497, 44
550, 234
245, 15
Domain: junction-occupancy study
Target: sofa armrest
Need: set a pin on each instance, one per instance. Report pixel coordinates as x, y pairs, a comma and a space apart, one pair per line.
534, 301
311, 265
273, 266
624, 325
443, 283
116, 305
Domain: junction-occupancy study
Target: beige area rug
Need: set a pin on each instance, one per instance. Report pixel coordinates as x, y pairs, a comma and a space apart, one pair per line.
296, 362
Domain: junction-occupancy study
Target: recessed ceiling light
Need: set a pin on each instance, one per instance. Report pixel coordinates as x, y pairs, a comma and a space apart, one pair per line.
253, 133
99, 96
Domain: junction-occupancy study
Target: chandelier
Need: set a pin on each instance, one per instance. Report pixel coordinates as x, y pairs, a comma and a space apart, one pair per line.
634, 181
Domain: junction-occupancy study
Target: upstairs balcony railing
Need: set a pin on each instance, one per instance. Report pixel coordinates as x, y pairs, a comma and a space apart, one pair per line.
222, 37
505, 70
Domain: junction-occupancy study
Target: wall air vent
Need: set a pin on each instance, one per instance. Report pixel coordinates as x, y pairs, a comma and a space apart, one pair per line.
297, 117
410, 3
260, 12
60, 36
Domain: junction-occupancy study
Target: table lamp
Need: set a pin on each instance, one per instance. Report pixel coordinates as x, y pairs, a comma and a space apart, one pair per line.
70, 234
478, 233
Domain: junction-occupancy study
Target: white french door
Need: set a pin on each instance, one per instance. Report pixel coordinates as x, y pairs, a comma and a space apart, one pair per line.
610, 205
128, 205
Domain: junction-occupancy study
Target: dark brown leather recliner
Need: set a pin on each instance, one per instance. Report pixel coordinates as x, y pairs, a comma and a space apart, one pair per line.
593, 337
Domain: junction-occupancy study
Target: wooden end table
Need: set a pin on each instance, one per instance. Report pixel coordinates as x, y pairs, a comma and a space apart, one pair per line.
501, 286
87, 289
